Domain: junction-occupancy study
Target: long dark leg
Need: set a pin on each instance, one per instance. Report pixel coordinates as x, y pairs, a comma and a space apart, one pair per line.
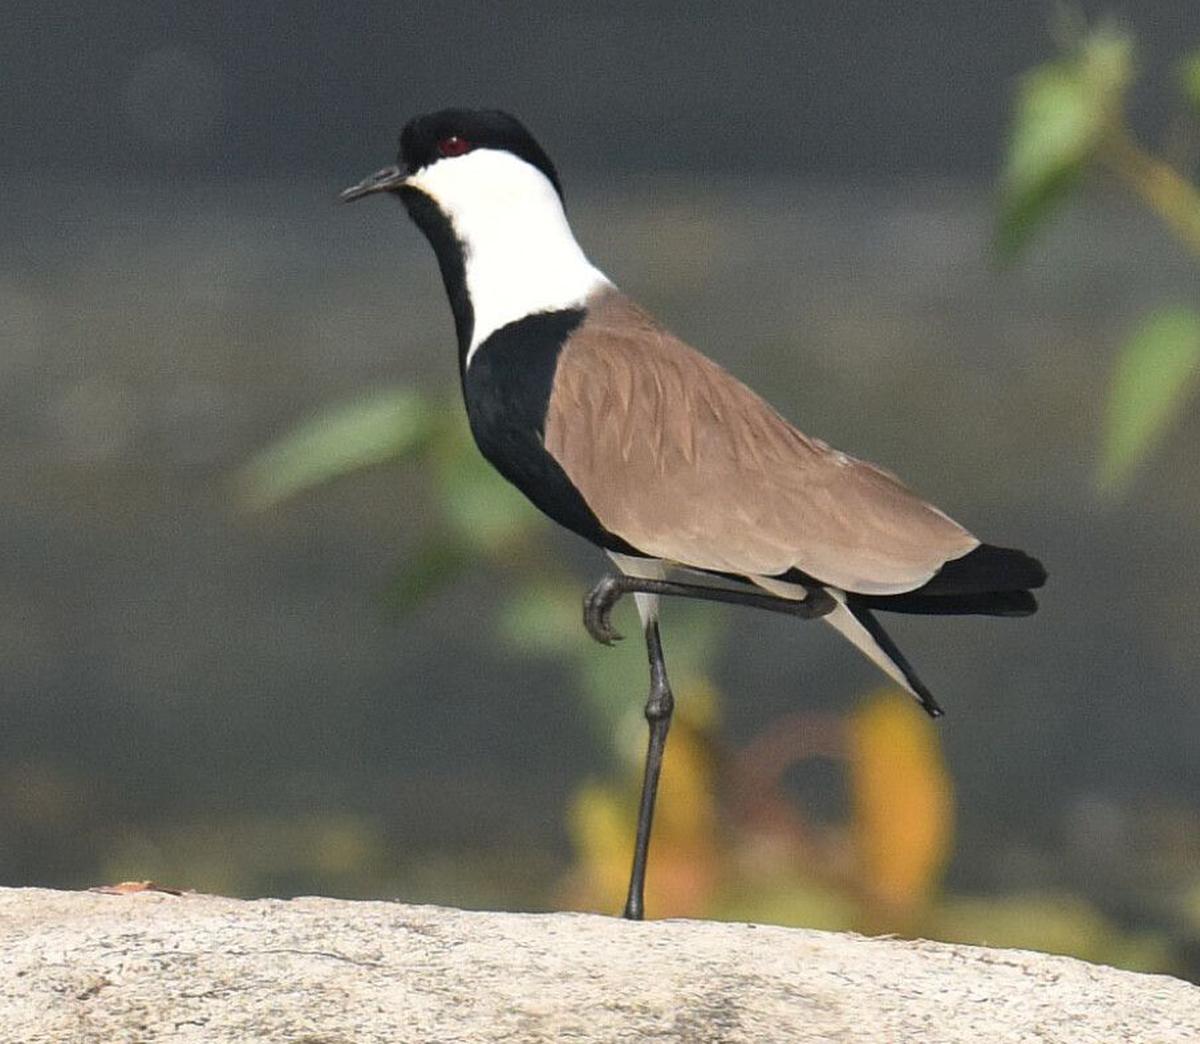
659, 706
598, 605
597, 609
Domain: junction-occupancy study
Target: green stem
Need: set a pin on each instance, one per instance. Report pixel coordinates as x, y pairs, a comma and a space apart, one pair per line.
1159, 185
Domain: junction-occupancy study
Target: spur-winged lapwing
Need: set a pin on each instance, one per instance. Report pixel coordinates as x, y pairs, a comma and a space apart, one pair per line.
619, 431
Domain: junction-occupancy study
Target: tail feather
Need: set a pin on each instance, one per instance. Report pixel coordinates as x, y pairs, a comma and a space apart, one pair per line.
983, 603
986, 569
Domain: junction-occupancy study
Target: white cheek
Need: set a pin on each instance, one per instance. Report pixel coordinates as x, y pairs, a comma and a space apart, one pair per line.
520, 255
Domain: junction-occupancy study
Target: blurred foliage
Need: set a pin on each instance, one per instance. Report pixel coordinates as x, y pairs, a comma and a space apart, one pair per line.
288, 851
1188, 72
875, 872
687, 845
385, 426
1069, 121
733, 841
1064, 112
1051, 923
1154, 375
903, 809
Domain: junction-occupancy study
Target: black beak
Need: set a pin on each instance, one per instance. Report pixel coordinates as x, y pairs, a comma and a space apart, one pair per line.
380, 181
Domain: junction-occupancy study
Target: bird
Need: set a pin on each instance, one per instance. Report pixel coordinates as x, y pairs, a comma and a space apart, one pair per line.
619, 431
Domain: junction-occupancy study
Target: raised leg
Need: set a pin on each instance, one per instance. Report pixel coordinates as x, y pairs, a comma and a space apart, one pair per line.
597, 610
599, 602
659, 706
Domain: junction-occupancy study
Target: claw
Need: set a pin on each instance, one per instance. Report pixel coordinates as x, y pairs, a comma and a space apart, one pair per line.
597, 610
606, 635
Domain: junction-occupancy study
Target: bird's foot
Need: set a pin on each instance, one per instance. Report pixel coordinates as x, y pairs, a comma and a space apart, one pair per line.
598, 606
599, 601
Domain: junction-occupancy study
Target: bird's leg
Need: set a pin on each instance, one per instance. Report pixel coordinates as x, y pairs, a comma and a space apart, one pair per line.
659, 706
599, 602
597, 608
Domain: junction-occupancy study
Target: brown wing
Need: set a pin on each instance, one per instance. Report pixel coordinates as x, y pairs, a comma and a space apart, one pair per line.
685, 463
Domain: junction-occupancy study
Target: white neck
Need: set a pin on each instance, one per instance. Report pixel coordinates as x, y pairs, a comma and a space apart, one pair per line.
519, 253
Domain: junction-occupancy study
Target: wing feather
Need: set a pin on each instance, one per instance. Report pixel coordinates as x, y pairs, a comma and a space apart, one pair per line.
684, 462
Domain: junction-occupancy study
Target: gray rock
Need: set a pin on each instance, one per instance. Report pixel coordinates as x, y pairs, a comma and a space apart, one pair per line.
82, 967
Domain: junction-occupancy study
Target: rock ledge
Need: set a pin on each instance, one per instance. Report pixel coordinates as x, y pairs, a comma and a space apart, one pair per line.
80, 967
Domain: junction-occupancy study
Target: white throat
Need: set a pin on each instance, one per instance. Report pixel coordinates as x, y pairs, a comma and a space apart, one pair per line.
520, 255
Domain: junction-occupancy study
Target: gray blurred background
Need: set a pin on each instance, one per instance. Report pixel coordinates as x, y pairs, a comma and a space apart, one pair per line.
192, 690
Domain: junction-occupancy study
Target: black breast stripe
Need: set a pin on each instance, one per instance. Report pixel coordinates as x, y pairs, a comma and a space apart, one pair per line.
507, 388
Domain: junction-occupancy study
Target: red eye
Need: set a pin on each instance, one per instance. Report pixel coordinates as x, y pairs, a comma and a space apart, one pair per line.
454, 146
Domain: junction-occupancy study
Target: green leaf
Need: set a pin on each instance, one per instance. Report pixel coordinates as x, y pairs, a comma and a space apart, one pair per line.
1153, 375
1188, 73
543, 619
1063, 110
387, 425
481, 508
426, 572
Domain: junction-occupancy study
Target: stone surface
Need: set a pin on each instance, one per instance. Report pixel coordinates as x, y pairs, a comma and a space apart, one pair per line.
83, 967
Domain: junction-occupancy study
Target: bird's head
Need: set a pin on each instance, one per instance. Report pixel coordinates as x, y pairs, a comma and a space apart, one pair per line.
466, 160
490, 203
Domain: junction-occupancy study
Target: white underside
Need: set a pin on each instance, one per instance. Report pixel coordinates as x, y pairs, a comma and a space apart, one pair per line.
840, 618
520, 255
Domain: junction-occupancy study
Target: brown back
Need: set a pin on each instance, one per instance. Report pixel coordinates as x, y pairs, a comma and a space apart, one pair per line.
686, 463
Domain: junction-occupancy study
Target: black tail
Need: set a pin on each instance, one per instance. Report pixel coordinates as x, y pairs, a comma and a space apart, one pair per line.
990, 581
989, 603
986, 569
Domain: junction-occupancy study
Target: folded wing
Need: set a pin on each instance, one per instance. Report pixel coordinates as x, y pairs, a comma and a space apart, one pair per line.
685, 463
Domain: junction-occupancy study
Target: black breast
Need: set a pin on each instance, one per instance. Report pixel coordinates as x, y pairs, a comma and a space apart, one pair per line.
507, 391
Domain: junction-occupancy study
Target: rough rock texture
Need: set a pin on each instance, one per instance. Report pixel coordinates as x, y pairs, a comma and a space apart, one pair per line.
81, 967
